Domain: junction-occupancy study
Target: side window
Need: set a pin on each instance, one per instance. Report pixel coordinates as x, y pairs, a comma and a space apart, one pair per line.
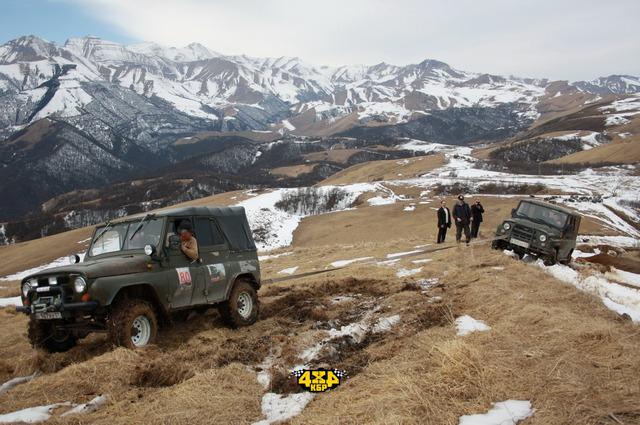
203, 232
218, 238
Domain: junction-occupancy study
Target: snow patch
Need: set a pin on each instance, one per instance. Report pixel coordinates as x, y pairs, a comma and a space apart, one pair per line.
88, 407
11, 301
269, 257
623, 277
616, 297
408, 272
424, 260
31, 415
467, 324
279, 407
289, 271
342, 263
62, 261
508, 412
16, 381
402, 254
384, 324
380, 200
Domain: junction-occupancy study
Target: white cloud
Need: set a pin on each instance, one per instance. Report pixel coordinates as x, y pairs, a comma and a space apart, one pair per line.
571, 39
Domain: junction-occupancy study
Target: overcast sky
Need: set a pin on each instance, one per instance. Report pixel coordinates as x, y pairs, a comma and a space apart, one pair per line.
559, 39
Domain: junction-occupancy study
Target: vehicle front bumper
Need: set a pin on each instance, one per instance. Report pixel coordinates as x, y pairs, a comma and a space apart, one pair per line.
56, 304
68, 307
535, 249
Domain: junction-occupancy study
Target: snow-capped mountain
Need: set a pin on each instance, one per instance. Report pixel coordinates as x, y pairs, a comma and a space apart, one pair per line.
240, 92
202, 83
92, 111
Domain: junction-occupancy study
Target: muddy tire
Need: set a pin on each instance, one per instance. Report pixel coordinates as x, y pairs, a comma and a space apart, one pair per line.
497, 245
242, 307
567, 260
552, 259
133, 323
46, 336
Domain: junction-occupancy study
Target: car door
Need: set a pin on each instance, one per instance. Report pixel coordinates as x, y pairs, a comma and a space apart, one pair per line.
215, 257
567, 244
182, 273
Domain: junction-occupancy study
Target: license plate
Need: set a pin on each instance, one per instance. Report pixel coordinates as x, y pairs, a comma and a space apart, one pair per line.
519, 243
49, 315
42, 289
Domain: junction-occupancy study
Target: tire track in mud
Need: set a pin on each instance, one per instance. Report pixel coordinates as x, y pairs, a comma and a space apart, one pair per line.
293, 319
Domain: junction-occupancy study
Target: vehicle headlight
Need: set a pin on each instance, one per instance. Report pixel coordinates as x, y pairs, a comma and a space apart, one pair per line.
542, 237
79, 284
506, 226
27, 286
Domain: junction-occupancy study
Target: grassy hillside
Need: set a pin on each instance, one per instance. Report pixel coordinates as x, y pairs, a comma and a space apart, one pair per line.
550, 343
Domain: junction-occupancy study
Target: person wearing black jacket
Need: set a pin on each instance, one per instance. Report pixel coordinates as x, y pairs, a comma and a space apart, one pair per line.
462, 217
476, 214
444, 221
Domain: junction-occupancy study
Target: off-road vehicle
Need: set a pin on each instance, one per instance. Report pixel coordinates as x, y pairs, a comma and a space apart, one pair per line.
135, 276
540, 229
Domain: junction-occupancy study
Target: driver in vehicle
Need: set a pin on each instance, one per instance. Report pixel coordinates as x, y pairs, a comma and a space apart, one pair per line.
188, 244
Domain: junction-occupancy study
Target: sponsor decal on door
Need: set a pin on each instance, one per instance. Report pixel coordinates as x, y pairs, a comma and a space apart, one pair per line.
216, 272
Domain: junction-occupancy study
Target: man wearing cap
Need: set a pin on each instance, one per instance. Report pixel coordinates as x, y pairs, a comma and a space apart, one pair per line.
462, 217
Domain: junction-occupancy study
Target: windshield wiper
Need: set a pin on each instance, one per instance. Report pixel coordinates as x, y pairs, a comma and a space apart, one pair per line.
106, 227
140, 225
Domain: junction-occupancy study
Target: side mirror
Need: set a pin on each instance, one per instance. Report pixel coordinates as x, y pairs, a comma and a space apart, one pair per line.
74, 259
513, 212
174, 242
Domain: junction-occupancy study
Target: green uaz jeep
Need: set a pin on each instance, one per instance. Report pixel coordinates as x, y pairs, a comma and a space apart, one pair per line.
135, 276
541, 229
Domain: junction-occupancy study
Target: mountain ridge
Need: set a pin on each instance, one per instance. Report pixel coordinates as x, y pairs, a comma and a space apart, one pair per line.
121, 110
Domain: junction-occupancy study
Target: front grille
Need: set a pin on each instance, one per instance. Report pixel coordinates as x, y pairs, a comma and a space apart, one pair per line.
522, 233
62, 280
64, 285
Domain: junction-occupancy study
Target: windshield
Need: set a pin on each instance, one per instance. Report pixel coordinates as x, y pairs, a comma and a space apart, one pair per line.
542, 214
117, 237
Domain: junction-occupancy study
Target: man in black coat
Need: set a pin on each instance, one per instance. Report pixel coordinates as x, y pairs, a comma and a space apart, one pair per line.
462, 218
476, 215
444, 221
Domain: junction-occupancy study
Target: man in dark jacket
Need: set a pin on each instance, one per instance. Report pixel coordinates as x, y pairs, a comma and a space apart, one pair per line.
476, 215
462, 218
444, 221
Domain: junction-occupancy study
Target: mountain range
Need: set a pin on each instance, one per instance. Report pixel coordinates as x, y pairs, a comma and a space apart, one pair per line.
92, 112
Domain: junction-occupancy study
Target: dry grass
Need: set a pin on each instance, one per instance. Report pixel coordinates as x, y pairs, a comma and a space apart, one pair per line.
625, 151
563, 350
371, 224
548, 343
334, 155
293, 170
391, 169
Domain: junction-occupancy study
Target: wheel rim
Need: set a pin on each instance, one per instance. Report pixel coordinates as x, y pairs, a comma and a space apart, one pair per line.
245, 305
140, 331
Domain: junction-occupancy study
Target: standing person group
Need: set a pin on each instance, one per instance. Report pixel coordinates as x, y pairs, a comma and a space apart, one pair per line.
463, 216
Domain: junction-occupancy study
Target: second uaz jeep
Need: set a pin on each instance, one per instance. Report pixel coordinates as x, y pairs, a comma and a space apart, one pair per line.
541, 229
